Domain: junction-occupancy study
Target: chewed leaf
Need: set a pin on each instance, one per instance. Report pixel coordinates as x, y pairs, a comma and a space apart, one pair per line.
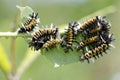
5, 64
24, 11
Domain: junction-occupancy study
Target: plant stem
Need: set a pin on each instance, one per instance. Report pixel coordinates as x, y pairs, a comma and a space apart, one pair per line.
13, 34
13, 45
13, 56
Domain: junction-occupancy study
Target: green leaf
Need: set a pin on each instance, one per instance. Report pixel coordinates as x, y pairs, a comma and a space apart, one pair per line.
58, 56
5, 64
24, 11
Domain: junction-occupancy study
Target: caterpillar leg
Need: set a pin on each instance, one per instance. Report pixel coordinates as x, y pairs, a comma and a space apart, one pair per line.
68, 47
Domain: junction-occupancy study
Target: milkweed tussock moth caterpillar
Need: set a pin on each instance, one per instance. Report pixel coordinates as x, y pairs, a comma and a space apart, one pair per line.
29, 25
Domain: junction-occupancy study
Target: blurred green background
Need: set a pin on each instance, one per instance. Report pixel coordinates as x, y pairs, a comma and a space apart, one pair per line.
61, 12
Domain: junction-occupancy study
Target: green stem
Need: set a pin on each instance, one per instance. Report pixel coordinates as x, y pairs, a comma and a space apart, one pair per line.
13, 34
13, 56
13, 42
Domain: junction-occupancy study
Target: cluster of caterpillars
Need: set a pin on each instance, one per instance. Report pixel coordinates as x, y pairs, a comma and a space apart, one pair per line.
92, 37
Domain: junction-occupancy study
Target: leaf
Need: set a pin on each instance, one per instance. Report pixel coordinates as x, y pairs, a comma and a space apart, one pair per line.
58, 56
24, 11
5, 64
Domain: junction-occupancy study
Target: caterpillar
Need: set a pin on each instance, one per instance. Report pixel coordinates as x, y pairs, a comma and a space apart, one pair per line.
70, 37
95, 52
91, 23
103, 23
95, 24
51, 43
87, 41
42, 36
99, 49
30, 24
44, 33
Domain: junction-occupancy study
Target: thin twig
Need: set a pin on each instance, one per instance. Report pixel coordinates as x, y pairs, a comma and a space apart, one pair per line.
13, 34
13, 43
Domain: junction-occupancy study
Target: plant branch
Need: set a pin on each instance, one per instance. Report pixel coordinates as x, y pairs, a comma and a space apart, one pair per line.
13, 34
16, 21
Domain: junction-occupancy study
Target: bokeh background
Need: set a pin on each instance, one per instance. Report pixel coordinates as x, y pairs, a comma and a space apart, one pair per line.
61, 12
